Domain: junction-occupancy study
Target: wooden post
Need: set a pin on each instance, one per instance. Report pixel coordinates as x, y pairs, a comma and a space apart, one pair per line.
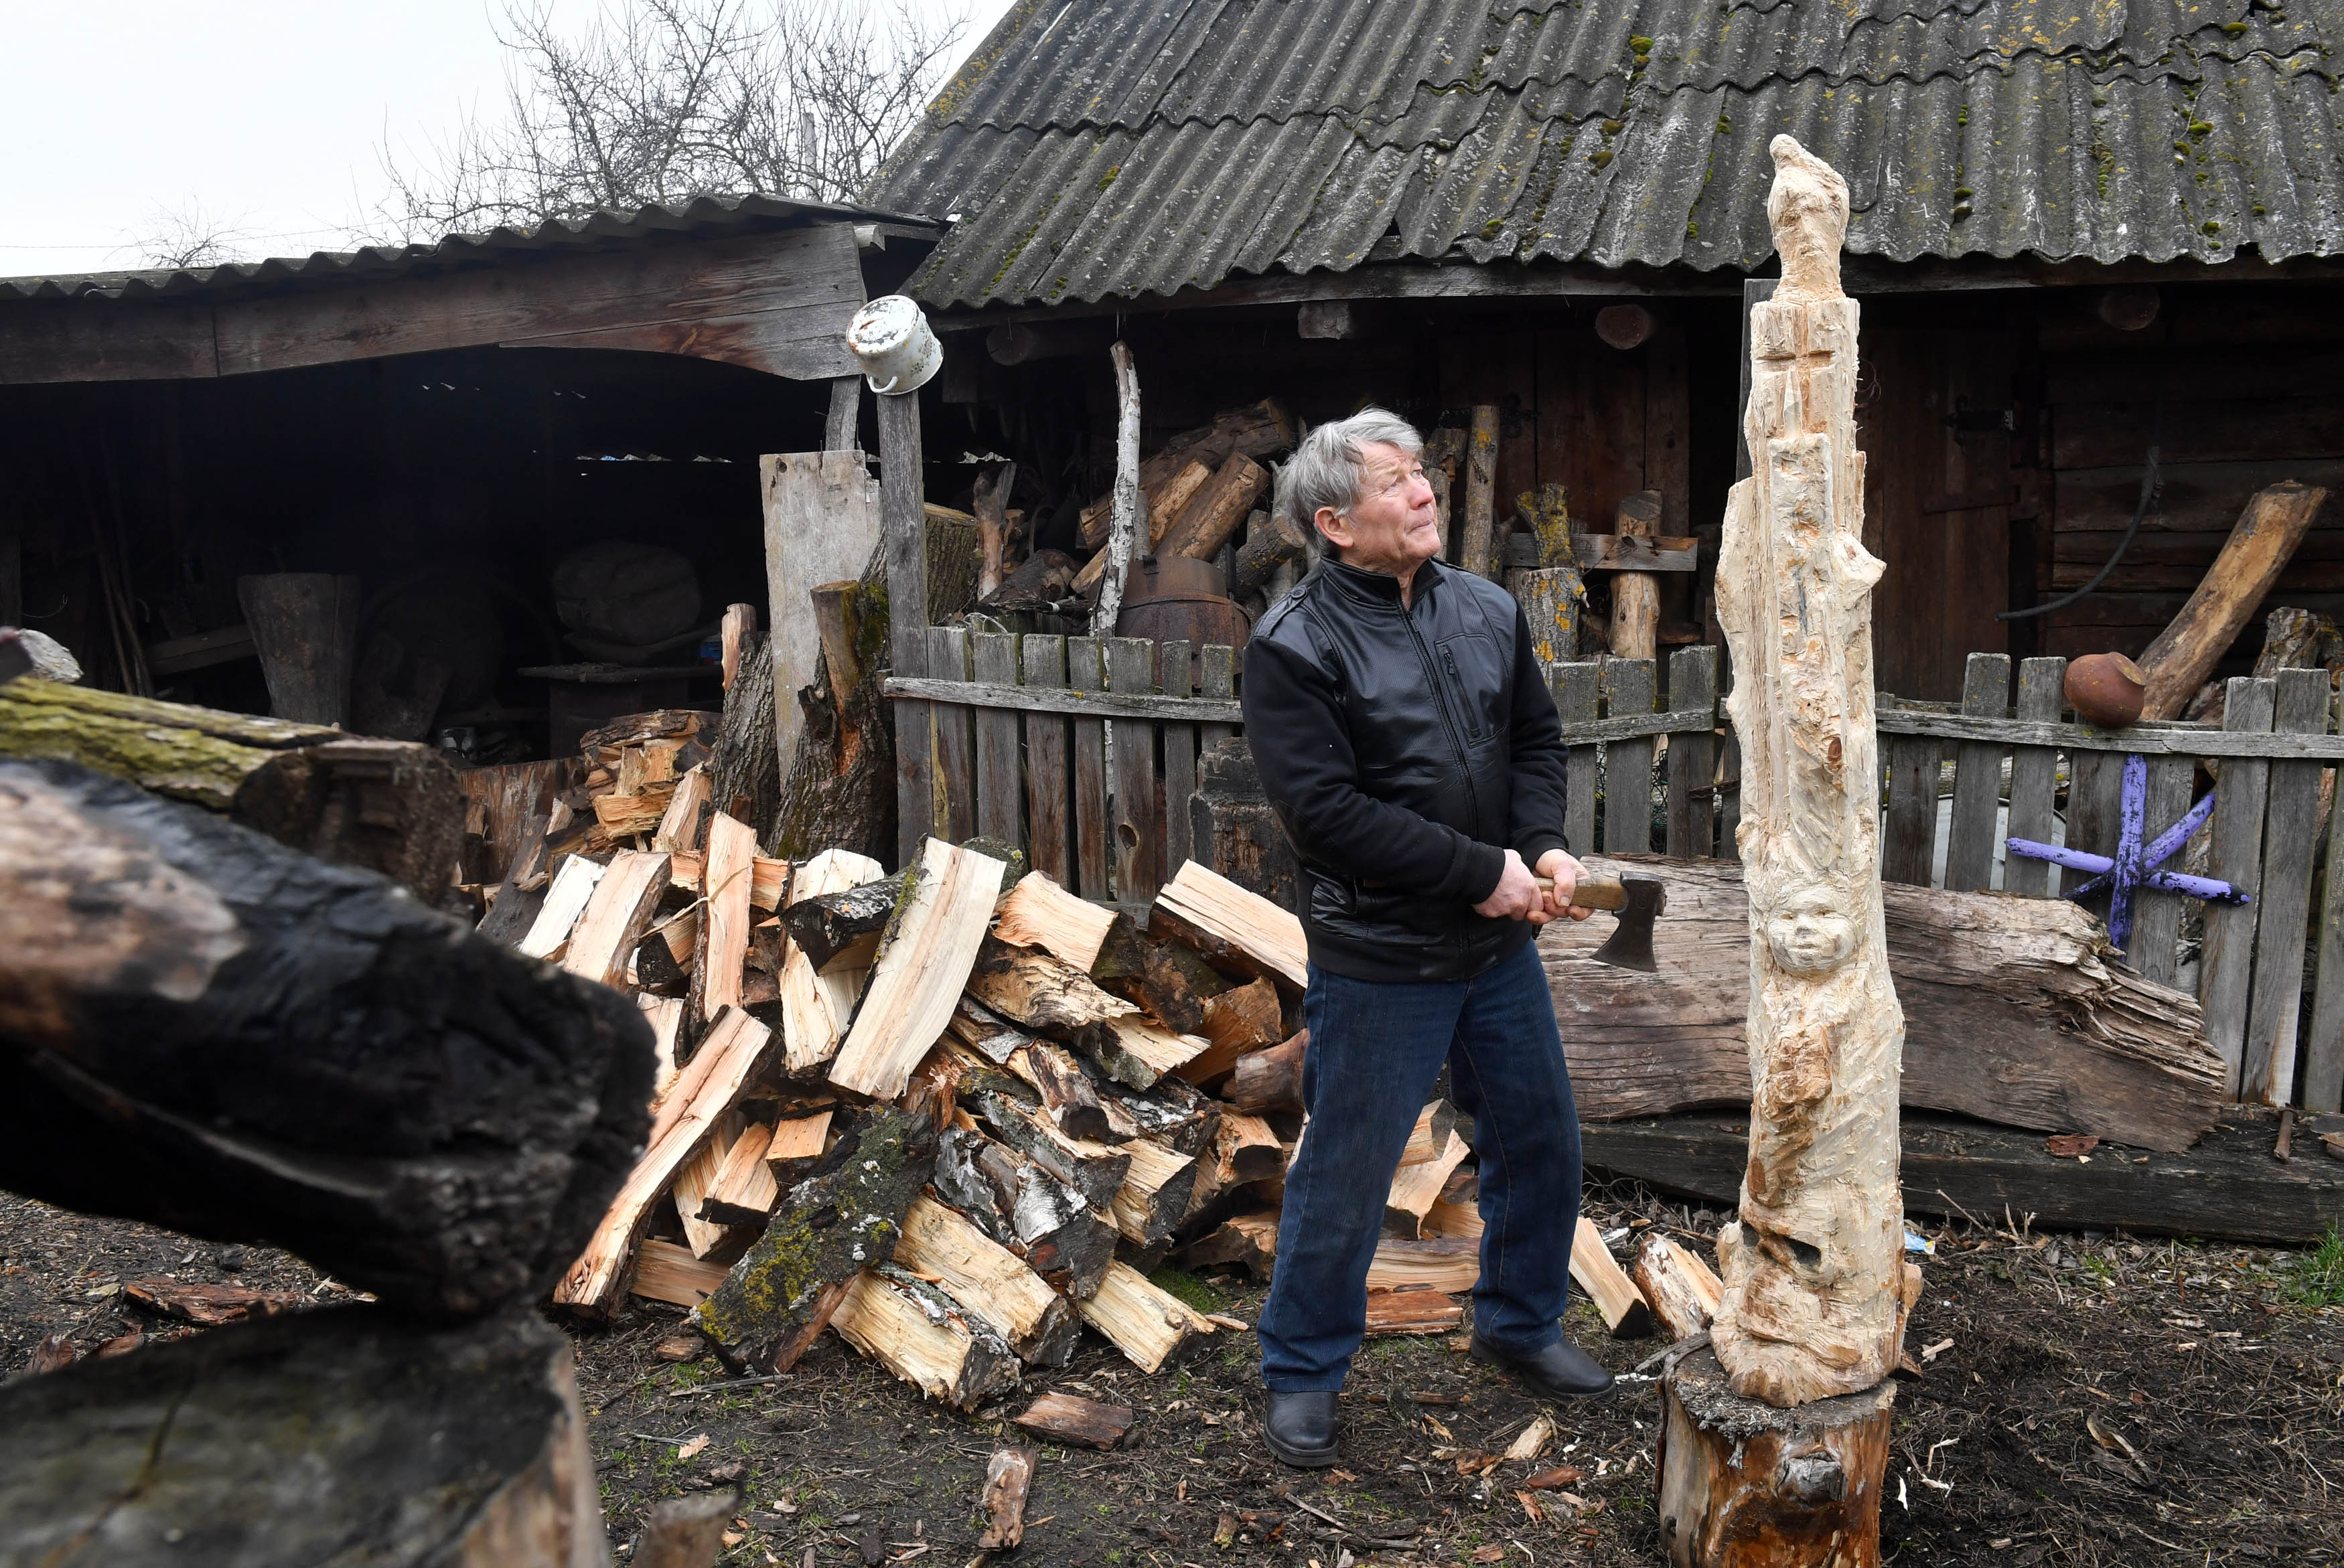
903, 520
823, 519
1813, 1268
1125, 520
1479, 551
305, 627
1636, 595
2259, 548
838, 431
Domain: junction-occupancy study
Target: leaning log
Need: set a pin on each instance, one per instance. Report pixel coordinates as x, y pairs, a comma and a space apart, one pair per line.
384, 805
2016, 1014
2180, 658
270, 1048
344, 1435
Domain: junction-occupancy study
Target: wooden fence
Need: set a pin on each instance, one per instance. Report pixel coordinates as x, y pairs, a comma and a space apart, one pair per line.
1075, 748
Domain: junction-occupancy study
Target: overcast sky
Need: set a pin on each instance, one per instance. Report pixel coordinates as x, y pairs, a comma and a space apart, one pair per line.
266, 116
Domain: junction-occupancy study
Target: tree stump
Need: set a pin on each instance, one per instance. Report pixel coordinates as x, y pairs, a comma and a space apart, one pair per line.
1746, 1485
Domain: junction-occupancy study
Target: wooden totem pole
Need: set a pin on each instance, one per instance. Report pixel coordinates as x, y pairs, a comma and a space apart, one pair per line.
1777, 1437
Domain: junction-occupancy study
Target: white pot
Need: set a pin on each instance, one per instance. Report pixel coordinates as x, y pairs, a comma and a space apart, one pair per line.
894, 344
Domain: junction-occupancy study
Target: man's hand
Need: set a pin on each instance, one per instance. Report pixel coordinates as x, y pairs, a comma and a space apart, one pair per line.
1558, 866
1517, 896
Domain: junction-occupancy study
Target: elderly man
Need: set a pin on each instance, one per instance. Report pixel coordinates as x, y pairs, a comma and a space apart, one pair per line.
1405, 735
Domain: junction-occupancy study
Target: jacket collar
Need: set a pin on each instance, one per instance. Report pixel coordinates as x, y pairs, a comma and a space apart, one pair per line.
1378, 588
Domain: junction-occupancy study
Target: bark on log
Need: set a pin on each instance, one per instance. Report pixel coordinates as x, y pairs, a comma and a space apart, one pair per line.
1213, 514
2017, 1016
1013, 1114
1007, 1476
1271, 542
1258, 430
383, 805
745, 776
915, 1330
1126, 517
1248, 1241
1234, 831
343, 1435
1026, 1208
268, 1048
1170, 979
1478, 550
1271, 1080
2185, 652
1636, 595
945, 1247
1812, 1267
992, 505
1148, 1325
1746, 1485
305, 630
1067, 1418
841, 930
838, 789
817, 1008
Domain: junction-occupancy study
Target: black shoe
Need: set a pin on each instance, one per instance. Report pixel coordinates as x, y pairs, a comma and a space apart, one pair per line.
1301, 1428
1561, 1370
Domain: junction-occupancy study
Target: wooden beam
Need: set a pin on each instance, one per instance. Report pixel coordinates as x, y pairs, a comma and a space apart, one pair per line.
1046, 700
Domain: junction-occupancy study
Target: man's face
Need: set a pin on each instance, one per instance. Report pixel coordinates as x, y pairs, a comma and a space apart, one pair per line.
1393, 526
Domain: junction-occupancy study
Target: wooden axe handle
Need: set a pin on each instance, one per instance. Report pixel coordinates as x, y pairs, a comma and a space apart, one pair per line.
1595, 892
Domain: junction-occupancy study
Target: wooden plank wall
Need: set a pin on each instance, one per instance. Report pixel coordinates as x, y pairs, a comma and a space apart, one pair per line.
2238, 388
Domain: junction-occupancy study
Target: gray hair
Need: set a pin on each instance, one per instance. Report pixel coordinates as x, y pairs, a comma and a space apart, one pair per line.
1330, 464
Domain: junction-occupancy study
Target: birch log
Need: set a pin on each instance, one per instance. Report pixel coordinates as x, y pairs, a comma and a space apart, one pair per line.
1811, 1271
1125, 521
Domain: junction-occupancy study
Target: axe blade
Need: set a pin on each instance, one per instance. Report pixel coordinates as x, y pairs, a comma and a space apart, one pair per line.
1629, 946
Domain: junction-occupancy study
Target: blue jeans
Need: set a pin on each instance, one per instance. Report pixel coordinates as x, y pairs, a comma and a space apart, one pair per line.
1375, 1049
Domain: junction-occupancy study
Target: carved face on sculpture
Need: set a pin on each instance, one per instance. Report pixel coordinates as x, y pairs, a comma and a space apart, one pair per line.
1809, 930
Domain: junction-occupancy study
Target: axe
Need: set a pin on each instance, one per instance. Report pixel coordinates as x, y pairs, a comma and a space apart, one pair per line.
1637, 901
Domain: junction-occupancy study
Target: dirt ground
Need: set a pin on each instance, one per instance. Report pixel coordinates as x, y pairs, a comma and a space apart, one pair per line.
2084, 1401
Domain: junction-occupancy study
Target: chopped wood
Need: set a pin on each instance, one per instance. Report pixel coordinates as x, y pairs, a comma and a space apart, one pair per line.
920, 1334
1416, 1187
726, 880
1171, 980
1246, 1149
745, 1190
1271, 1080
798, 1141
1071, 1419
1411, 1310
769, 881
1236, 929
2180, 658
565, 900
1531, 1441
1242, 1019
1429, 1139
1270, 543
1213, 514
841, 930
1137, 1052
847, 1216
1622, 1306
624, 816
1146, 1324
920, 971
1154, 1197
618, 913
1007, 1477
680, 826
667, 1272
705, 1091
1026, 1208
1042, 992
1013, 1114
1448, 1266
1449, 1218
1039, 913
209, 1306
816, 1008
985, 1031
605, 745
665, 1015
1248, 1241
945, 1247
1073, 1105
697, 1178
1682, 1291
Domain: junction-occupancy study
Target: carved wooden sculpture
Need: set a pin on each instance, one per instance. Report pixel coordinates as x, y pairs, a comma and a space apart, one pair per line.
1813, 1270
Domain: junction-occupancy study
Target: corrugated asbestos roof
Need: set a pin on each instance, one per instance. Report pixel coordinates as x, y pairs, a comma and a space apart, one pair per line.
603, 231
1119, 147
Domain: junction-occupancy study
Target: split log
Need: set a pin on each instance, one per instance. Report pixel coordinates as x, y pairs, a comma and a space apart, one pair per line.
1746, 1485
1170, 979
1239, 931
1429, 1137
1416, 1185
920, 1334
385, 806
210, 1306
680, 826
696, 1178
922, 967
1204, 525
1477, 549
1148, 1325
626, 815
2180, 658
817, 1008
1412, 1310
1154, 1197
1636, 595
1270, 543
2016, 1014
1684, 1295
565, 900
841, 930
1243, 1019
726, 885
1007, 1476
985, 1031
1026, 1208
949, 1250
1247, 1241
1054, 997
1073, 1105
1097, 1171
270, 1048
745, 1190
769, 879
617, 913
665, 1015
1271, 1080
1448, 1266
798, 1145
847, 1216
1623, 1308
1067, 1418
1168, 500
1246, 1149
345, 1434
1257, 430
1039, 913
667, 1272
703, 1091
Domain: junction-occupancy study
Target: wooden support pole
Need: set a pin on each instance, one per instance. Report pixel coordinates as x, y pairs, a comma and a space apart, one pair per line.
1480, 553
2260, 545
1636, 595
1813, 1269
1125, 520
903, 523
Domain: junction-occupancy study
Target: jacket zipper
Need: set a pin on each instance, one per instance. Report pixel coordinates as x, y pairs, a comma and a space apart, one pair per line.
1448, 721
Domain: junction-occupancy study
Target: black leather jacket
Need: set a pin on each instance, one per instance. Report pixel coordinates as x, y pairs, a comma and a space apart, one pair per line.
1405, 752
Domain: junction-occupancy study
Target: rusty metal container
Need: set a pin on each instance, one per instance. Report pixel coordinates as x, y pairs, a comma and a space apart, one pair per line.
1169, 597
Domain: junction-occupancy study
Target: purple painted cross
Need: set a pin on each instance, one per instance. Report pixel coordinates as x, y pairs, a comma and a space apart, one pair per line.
2135, 866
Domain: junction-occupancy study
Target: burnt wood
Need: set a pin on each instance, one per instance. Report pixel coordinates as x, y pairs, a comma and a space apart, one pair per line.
271, 1049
